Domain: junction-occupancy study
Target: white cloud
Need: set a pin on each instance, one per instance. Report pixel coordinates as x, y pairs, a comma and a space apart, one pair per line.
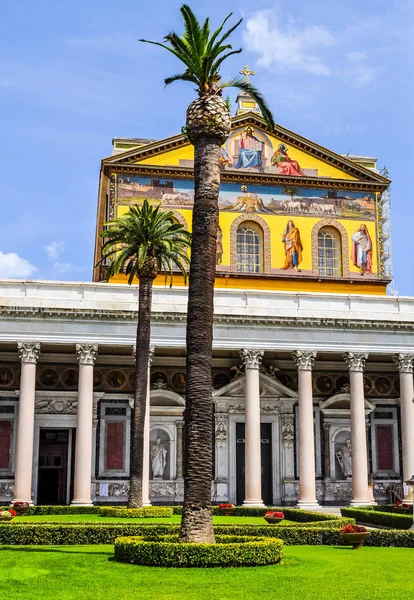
287, 45
63, 267
359, 72
54, 249
12, 265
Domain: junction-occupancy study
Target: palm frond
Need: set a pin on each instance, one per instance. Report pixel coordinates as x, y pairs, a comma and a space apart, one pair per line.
238, 82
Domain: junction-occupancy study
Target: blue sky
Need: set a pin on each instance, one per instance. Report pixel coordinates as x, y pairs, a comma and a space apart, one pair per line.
73, 76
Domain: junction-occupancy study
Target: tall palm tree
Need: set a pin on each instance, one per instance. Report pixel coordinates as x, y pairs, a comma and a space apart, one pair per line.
208, 125
141, 244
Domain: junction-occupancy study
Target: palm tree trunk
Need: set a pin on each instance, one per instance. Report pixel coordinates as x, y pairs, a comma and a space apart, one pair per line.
141, 382
197, 524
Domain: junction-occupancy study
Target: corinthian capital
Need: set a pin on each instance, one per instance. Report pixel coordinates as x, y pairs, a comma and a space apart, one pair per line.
28, 351
86, 353
404, 362
304, 359
355, 361
251, 358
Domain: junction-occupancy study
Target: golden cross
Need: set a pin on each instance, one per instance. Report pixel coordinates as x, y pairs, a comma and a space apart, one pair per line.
246, 72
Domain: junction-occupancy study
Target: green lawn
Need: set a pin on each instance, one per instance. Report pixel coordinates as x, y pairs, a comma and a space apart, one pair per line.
99, 519
322, 572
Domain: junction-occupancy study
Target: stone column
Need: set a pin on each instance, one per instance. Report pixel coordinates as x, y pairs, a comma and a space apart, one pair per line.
253, 468
179, 425
404, 363
304, 360
146, 452
28, 354
83, 450
360, 492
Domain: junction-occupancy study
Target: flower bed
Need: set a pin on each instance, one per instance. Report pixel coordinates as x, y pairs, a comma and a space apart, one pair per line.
376, 517
273, 517
228, 551
146, 512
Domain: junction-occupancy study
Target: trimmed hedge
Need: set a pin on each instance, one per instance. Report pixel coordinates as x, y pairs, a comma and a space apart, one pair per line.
62, 510
45, 534
292, 514
136, 513
375, 517
228, 551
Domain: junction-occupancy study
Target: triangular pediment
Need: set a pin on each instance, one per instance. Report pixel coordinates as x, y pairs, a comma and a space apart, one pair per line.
269, 387
304, 160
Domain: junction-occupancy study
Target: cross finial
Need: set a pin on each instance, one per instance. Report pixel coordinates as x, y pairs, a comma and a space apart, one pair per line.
247, 72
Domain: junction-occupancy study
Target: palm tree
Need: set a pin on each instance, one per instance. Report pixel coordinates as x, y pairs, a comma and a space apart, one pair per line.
208, 125
141, 244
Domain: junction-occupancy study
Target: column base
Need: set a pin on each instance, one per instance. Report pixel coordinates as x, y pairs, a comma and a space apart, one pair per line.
82, 502
147, 503
29, 502
253, 504
307, 504
361, 502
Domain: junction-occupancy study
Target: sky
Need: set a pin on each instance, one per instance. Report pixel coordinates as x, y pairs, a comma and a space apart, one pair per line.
73, 76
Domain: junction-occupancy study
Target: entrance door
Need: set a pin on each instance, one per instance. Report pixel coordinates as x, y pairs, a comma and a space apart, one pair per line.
266, 462
53, 466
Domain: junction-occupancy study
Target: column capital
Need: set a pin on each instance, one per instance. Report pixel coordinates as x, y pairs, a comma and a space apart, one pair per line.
86, 353
251, 357
404, 362
304, 359
151, 354
179, 424
355, 361
28, 352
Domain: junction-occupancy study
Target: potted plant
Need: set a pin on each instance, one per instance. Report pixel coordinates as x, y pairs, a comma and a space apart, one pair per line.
20, 508
274, 516
5, 515
354, 535
401, 507
226, 508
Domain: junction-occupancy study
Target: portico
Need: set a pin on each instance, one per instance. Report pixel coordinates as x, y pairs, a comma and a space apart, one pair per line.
296, 397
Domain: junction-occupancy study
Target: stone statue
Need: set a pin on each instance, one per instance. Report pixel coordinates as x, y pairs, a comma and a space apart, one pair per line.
344, 456
158, 459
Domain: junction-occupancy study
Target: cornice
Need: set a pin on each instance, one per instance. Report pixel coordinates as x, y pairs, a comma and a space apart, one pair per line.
280, 132
280, 322
266, 179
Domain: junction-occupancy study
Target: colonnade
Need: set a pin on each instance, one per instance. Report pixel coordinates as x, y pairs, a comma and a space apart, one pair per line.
304, 361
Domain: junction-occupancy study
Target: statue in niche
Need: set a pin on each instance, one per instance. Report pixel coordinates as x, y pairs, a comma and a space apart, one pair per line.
344, 456
158, 459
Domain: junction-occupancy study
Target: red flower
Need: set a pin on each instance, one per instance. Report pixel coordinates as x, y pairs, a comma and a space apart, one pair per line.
20, 504
12, 512
275, 514
353, 529
226, 505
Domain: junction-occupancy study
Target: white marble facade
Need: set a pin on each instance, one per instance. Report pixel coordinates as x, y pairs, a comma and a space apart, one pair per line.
282, 339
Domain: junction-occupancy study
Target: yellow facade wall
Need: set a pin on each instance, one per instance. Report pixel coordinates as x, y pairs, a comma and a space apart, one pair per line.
306, 161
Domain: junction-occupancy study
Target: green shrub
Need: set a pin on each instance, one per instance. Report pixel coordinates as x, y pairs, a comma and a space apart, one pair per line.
228, 551
62, 510
136, 513
375, 517
292, 514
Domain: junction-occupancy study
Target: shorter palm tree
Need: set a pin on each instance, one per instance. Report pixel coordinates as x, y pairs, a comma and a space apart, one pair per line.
143, 243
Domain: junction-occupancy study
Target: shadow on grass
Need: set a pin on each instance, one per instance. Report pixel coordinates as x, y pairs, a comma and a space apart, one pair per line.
63, 550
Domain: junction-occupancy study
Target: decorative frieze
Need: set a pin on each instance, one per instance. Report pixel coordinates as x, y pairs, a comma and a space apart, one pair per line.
56, 406
6, 489
304, 359
28, 352
87, 353
404, 362
251, 357
355, 361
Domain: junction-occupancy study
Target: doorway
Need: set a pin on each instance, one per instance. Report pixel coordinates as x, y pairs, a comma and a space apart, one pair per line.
266, 462
54, 476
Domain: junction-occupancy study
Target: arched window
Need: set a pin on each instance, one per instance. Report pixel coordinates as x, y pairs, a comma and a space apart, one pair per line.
249, 248
329, 252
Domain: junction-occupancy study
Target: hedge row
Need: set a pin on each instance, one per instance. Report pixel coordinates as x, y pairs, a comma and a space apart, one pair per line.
62, 510
83, 533
228, 551
136, 513
375, 517
293, 514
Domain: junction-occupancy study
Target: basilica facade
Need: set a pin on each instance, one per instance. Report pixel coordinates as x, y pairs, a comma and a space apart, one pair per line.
312, 361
